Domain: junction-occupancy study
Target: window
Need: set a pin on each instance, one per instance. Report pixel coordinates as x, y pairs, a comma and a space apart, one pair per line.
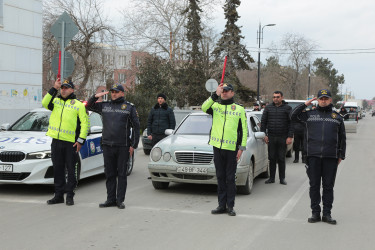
138, 62
137, 81
122, 61
1, 12
121, 78
95, 120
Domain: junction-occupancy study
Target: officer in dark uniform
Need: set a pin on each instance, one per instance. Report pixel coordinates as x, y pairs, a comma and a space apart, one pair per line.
120, 138
326, 145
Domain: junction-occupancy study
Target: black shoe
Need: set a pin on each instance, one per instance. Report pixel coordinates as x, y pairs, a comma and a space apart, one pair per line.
120, 205
55, 200
108, 204
283, 182
314, 218
269, 181
328, 219
231, 212
295, 161
69, 201
219, 210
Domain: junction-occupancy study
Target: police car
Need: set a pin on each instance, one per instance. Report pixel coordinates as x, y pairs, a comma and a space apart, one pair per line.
25, 150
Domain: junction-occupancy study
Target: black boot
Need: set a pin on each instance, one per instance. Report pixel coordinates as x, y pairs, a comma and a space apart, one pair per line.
219, 210
314, 218
270, 181
296, 157
328, 219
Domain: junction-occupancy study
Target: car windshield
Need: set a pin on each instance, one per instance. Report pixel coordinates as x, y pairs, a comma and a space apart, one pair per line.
32, 121
195, 125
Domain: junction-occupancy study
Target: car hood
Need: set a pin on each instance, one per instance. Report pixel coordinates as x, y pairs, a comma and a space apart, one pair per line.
185, 142
26, 141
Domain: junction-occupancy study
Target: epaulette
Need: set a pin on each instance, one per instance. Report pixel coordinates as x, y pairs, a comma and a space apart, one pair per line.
130, 103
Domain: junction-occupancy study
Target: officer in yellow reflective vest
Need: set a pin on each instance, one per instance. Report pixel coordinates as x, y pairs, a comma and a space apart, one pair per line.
228, 138
68, 126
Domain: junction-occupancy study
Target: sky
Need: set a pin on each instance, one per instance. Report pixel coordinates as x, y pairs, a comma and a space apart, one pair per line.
343, 30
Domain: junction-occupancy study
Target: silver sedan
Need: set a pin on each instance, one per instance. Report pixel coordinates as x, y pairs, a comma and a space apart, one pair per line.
186, 157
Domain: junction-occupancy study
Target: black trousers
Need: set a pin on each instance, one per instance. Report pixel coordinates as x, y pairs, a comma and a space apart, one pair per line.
115, 160
298, 146
64, 156
321, 170
276, 154
157, 137
225, 165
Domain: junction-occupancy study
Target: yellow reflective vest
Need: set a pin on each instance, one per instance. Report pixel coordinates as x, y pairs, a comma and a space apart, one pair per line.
229, 125
63, 121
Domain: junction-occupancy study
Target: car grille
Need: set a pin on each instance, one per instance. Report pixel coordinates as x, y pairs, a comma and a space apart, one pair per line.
12, 156
194, 157
193, 177
13, 176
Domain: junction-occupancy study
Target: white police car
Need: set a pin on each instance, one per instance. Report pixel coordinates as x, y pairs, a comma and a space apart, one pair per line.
25, 150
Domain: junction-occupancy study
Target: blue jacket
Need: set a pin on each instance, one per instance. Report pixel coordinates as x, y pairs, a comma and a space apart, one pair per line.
325, 131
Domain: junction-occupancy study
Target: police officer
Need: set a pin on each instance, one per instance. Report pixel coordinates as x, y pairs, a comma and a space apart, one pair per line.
228, 138
68, 126
326, 145
160, 118
120, 138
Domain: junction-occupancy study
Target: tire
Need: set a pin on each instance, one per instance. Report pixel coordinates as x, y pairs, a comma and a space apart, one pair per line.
147, 151
130, 165
249, 182
160, 185
266, 174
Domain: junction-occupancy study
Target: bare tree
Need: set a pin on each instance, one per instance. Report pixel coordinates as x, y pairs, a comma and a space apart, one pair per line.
94, 29
298, 53
158, 26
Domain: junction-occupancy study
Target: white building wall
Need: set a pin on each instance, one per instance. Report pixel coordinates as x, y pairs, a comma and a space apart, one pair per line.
21, 58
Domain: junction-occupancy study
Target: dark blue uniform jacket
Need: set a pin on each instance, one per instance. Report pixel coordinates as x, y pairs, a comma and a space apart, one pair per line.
325, 131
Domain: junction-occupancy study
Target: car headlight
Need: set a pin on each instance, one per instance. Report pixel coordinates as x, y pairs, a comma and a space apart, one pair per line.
156, 154
39, 155
167, 156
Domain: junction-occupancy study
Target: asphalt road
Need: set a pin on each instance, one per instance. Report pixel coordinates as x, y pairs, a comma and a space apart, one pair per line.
272, 217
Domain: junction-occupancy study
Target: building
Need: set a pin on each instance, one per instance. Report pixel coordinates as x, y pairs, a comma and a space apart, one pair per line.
21, 58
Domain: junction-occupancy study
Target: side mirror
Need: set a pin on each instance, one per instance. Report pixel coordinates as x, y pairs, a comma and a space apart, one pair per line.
168, 131
96, 129
260, 135
5, 126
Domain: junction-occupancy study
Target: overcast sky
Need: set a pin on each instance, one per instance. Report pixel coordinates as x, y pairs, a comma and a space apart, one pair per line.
342, 25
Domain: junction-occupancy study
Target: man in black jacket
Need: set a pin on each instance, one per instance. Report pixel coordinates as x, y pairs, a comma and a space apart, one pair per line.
160, 118
299, 134
279, 132
326, 146
120, 138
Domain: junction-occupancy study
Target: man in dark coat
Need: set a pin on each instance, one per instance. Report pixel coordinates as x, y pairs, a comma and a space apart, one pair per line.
299, 133
279, 132
160, 118
325, 147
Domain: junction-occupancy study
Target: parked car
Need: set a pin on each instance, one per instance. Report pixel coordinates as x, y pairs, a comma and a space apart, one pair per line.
25, 150
179, 116
350, 122
186, 157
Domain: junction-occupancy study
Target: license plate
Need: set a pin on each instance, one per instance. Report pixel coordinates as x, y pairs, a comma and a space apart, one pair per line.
193, 170
6, 168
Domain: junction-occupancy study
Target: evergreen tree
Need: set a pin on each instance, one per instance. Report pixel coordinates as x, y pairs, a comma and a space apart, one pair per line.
193, 33
230, 45
324, 68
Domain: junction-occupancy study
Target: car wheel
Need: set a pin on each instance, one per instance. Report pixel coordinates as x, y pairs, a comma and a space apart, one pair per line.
130, 165
266, 174
160, 185
249, 181
147, 151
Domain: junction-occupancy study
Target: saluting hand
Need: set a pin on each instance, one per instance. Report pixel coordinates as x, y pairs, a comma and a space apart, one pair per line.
308, 102
101, 94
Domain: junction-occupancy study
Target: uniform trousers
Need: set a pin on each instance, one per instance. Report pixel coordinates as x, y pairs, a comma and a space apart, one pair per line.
115, 169
225, 165
321, 170
276, 154
64, 159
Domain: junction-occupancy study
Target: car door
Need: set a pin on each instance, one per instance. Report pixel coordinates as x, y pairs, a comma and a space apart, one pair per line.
91, 152
261, 146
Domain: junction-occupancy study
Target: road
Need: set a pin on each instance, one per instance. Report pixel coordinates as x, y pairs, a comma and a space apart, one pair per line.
272, 217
